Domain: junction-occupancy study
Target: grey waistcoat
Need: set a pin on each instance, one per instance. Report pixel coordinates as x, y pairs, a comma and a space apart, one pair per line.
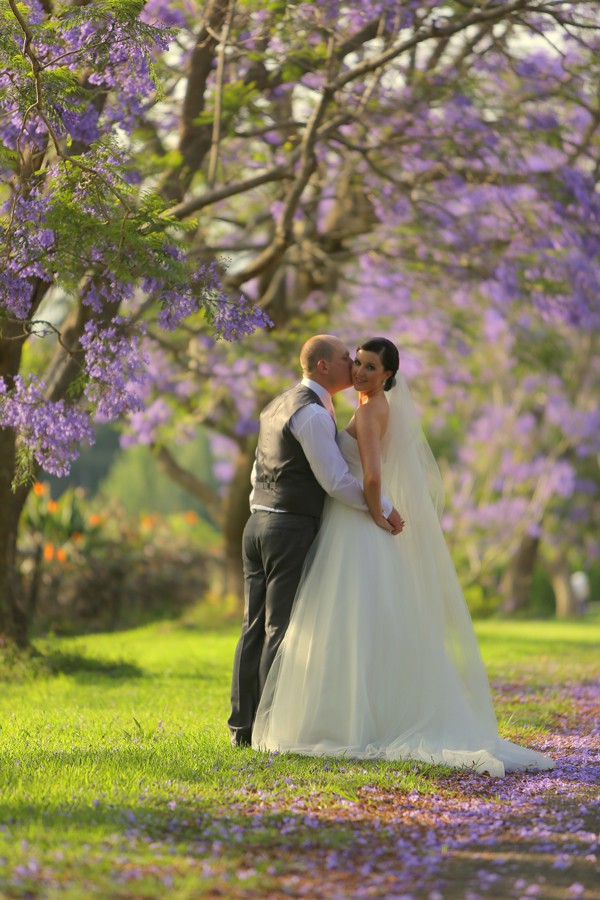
284, 479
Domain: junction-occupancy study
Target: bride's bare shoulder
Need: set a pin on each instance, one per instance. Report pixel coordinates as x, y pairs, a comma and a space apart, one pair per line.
372, 416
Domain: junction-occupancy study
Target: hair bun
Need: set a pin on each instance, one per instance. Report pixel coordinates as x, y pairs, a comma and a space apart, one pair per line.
390, 383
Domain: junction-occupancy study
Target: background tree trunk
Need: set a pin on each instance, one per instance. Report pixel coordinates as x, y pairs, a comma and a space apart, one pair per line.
518, 578
236, 515
13, 620
566, 601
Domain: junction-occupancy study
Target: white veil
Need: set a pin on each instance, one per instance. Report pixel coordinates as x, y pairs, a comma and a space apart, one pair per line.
412, 480
409, 469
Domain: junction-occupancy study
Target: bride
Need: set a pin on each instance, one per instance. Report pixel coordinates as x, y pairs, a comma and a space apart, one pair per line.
380, 660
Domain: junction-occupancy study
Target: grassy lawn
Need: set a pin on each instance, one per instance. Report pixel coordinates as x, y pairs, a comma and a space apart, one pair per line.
118, 781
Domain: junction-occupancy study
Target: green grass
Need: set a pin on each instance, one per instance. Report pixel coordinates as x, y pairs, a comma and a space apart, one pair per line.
116, 769
541, 652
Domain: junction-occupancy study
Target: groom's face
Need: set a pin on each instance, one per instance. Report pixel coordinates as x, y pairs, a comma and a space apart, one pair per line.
339, 368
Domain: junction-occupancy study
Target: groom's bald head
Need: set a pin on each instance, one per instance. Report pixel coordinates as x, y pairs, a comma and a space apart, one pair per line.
319, 347
326, 359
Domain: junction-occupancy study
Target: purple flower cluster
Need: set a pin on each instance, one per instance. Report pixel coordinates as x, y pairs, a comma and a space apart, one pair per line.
51, 431
233, 320
117, 56
470, 199
176, 305
168, 14
28, 251
185, 294
114, 364
144, 424
158, 393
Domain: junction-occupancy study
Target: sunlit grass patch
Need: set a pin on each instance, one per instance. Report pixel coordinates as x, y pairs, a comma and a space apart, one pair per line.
540, 653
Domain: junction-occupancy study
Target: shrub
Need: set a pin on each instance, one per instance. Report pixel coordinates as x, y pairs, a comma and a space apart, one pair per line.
90, 568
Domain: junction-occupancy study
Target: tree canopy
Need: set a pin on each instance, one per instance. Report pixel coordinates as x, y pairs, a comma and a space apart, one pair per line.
179, 172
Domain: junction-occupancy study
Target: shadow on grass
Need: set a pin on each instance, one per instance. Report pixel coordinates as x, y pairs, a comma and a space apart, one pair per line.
32, 664
58, 662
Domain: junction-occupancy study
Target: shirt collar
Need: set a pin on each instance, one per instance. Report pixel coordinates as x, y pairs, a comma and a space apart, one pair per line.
321, 392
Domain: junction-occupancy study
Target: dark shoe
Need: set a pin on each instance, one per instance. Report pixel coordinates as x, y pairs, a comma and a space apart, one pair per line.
240, 739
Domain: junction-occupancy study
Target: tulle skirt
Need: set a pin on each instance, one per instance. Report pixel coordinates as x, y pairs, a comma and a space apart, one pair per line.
380, 660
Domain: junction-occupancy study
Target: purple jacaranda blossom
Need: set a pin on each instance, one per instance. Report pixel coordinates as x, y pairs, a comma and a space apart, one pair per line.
27, 252
457, 201
183, 299
82, 125
560, 479
233, 320
167, 14
223, 451
114, 361
144, 424
176, 306
51, 431
495, 326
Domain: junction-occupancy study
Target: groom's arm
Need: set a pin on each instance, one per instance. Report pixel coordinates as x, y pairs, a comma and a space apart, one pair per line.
314, 429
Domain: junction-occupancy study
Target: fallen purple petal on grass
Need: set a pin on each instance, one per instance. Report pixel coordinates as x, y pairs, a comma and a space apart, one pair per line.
510, 837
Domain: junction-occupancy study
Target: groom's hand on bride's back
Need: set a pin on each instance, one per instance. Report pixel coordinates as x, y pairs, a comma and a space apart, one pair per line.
396, 521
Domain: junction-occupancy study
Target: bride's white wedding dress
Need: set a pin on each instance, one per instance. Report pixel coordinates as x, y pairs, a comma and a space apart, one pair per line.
380, 660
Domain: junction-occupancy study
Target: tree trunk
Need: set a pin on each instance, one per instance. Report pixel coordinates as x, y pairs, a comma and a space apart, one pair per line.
566, 601
518, 578
236, 515
62, 371
13, 619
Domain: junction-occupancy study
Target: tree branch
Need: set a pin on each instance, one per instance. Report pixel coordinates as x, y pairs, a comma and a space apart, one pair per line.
432, 32
196, 138
283, 227
199, 489
216, 130
280, 173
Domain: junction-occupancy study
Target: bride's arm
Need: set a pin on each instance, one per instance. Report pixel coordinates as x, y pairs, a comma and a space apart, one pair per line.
368, 431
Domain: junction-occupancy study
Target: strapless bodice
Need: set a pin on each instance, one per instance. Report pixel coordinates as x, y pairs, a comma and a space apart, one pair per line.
349, 450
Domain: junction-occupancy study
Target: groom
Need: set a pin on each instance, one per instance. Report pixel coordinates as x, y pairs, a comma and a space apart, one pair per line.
297, 463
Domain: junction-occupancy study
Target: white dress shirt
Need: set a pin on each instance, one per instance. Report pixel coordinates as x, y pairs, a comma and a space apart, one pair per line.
314, 429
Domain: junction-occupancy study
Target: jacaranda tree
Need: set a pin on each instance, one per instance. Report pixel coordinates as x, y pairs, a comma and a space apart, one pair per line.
428, 171
334, 163
78, 224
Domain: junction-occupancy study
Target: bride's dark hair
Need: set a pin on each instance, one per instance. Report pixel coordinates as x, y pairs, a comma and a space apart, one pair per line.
387, 353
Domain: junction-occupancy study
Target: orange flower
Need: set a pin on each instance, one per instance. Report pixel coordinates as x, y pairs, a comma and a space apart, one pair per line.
76, 537
39, 489
61, 556
147, 521
48, 552
52, 506
95, 519
190, 517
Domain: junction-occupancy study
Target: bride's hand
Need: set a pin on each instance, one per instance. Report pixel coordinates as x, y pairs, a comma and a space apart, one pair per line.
382, 522
395, 521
